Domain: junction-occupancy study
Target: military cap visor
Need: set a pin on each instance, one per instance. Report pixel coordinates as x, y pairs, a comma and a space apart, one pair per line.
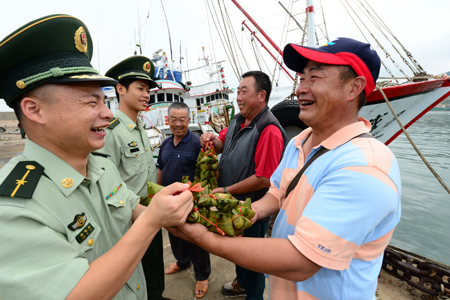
55, 48
134, 67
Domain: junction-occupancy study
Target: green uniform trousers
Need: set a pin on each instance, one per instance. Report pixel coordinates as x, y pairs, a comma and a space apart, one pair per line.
153, 264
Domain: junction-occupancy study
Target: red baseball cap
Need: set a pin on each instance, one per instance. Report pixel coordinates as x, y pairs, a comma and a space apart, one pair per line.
342, 51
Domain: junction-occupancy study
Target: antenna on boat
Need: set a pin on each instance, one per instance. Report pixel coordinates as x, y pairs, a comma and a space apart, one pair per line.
170, 40
311, 23
139, 28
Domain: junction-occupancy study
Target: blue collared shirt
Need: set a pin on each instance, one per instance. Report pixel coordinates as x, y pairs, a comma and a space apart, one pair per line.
180, 160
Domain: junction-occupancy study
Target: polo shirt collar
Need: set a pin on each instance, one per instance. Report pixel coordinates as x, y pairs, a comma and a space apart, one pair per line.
186, 138
127, 121
64, 176
338, 138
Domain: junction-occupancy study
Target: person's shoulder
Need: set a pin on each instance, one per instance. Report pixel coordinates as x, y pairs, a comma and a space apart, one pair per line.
113, 123
19, 178
195, 138
164, 143
102, 158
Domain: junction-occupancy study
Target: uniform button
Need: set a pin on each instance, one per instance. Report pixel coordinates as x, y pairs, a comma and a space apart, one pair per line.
146, 149
121, 202
137, 154
67, 182
91, 242
138, 287
149, 166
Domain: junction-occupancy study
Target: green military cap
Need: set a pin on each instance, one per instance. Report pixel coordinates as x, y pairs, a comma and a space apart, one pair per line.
55, 48
134, 67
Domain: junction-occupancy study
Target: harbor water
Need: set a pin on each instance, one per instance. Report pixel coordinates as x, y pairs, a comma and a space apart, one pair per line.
424, 225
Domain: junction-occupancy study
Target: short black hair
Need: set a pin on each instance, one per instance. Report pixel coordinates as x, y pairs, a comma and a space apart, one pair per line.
347, 73
126, 83
179, 105
262, 82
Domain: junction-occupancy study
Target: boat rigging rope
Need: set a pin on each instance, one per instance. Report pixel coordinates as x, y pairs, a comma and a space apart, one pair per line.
223, 44
375, 23
324, 23
412, 143
217, 72
228, 37
233, 35
306, 29
282, 42
385, 52
413, 60
252, 43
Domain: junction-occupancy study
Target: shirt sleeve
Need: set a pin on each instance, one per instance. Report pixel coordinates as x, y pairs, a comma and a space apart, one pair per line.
268, 151
49, 271
159, 161
349, 212
222, 135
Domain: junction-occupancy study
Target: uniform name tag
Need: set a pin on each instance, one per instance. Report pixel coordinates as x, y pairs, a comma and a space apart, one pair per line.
85, 233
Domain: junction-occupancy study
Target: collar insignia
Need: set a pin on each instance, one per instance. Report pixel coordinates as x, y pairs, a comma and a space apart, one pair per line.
81, 40
78, 222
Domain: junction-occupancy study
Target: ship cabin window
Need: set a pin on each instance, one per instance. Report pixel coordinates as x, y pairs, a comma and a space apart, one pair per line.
169, 97
152, 99
225, 96
208, 99
177, 98
181, 99
217, 96
160, 97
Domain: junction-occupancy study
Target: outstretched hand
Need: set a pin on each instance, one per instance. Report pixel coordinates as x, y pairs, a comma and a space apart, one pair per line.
191, 232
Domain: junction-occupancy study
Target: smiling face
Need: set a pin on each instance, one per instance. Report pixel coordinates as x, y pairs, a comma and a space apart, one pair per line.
322, 96
135, 97
250, 101
179, 122
75, 118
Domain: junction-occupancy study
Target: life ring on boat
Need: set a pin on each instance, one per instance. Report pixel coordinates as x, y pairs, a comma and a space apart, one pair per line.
287, 112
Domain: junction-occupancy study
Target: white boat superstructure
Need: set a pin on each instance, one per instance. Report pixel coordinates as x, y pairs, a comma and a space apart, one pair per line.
207, 102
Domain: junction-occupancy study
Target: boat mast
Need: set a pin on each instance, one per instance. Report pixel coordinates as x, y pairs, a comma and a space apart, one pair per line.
311, 23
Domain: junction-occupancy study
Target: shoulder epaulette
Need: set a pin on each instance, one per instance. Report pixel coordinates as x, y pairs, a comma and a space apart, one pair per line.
100, 154
113, 123
22, 181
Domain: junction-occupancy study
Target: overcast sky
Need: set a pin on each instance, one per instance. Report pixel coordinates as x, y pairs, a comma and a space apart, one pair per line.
421, 26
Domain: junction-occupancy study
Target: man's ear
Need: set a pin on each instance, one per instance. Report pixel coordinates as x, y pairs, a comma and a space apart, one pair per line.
263, 94
32, 110
357, 87
121, 90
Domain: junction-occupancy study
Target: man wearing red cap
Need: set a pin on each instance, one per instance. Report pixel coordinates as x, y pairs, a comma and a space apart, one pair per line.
336, 191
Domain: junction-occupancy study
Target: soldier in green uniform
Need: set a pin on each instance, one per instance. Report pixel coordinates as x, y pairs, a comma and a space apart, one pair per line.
128, 147
70, 227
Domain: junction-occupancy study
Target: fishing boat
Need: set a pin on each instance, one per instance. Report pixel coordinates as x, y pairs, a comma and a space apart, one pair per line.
410, 100
397, 102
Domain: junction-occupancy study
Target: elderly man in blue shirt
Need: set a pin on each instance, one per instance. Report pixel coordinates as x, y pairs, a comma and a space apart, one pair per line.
177, 158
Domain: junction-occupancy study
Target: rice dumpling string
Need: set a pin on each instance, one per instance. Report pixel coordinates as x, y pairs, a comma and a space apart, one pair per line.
215, 225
